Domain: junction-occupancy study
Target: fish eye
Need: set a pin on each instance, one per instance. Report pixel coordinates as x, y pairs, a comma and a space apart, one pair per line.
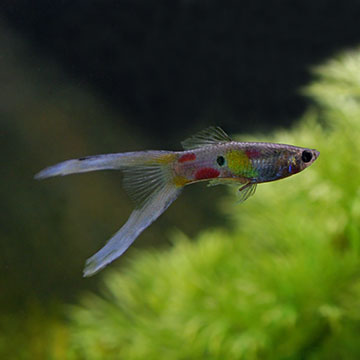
306, 156
220, 160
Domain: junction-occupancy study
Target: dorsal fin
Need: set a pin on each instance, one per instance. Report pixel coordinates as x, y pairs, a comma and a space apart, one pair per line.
210, 136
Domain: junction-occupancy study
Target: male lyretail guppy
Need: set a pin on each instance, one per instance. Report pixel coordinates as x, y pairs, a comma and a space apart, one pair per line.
154, 179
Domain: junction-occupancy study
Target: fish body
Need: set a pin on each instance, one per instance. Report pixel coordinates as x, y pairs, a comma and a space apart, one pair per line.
239, 162
154, 179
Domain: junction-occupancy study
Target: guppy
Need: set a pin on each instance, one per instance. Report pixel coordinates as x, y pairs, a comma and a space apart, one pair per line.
154, 179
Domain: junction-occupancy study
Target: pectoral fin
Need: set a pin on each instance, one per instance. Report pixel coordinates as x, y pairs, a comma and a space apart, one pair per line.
246, 191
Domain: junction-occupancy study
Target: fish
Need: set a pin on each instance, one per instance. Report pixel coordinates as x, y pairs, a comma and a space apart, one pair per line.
155, 178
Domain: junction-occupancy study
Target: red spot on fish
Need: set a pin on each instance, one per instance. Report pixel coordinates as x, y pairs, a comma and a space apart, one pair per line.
187, 157
206, 173
252, 153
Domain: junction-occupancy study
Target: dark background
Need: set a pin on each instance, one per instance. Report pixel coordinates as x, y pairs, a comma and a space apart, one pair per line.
168, 64
86, 77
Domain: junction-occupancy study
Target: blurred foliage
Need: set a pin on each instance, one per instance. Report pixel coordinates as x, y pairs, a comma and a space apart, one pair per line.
284, 283
34, 332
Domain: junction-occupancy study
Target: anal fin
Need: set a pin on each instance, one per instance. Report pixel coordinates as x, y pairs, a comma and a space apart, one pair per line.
227, 181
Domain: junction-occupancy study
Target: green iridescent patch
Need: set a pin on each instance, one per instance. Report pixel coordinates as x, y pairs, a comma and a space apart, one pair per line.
239, 163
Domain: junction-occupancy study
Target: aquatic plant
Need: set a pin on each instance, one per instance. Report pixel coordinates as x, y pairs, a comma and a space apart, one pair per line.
283, 283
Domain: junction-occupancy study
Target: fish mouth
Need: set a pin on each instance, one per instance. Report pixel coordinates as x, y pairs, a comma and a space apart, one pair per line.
316, 154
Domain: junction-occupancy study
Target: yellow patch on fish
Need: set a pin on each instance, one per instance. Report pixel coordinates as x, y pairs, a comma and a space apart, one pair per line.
180, 181
237, 161
165, 159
